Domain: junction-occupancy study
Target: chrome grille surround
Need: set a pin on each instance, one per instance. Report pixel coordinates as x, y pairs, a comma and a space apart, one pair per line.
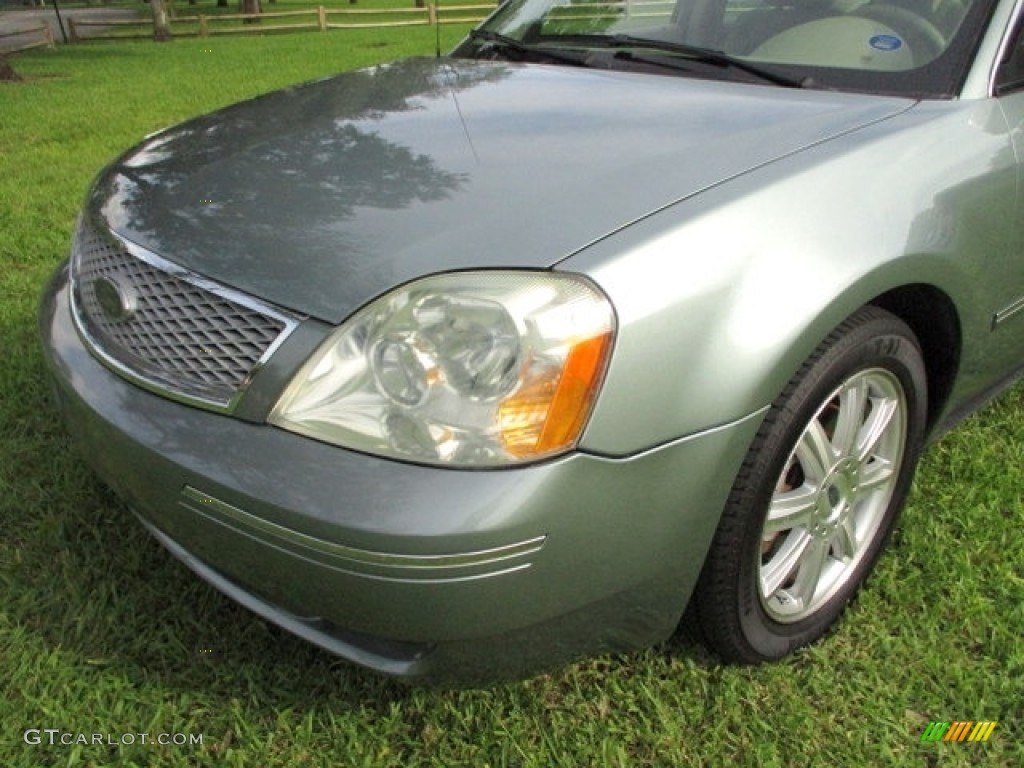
166, 329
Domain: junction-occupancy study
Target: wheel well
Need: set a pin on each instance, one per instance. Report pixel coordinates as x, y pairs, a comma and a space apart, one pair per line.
932, 316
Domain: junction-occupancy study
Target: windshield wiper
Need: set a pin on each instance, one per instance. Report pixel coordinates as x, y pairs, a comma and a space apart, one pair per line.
697, 53
503, 42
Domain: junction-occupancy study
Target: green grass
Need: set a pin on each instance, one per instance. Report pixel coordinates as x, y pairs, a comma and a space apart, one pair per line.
102, 632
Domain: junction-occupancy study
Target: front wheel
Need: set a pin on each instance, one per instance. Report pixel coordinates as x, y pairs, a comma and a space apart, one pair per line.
818, 492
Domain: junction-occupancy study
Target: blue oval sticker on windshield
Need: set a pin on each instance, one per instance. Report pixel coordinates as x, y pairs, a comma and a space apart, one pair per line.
885, 43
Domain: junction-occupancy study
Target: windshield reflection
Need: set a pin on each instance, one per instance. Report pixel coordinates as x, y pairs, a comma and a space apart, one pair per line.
895, 46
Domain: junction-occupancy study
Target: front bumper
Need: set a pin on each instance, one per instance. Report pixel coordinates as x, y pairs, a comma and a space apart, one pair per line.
418, 572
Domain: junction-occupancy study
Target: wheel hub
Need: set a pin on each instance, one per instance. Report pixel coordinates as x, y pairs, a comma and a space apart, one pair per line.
835, 499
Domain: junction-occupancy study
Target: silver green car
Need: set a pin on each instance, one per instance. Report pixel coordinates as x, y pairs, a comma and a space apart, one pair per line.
464, 367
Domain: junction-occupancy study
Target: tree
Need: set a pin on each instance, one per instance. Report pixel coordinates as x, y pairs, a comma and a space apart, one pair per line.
161, 22
7, 73
251, 6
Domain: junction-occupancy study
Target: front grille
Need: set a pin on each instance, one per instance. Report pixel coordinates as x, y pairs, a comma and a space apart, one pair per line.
165, 328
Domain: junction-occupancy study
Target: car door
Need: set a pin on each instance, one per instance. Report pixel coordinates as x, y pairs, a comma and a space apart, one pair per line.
1008, 90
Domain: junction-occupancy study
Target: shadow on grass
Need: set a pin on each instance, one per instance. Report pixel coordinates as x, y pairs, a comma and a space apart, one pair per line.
94, 584
87, 580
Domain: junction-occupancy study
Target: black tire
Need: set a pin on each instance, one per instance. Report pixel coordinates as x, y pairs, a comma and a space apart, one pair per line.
817, 494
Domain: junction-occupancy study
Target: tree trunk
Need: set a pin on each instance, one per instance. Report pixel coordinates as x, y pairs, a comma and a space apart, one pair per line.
7, 73
161, 23
251, 6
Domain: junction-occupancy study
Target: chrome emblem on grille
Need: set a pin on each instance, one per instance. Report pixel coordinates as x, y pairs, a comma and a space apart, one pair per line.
117, 301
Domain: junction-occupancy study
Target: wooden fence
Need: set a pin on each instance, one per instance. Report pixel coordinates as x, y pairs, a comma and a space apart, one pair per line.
608, 10
319, 18
34, 37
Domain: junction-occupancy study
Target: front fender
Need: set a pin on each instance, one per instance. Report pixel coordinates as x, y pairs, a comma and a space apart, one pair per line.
721, 297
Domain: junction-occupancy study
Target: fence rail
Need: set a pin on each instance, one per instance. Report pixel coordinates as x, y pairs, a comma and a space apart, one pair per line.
610, 10
42, 34
319, 18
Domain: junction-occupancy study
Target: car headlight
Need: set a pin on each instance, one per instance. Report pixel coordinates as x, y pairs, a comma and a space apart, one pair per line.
461, 369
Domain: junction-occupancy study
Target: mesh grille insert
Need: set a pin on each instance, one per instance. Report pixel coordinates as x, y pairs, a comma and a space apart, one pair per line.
163, 328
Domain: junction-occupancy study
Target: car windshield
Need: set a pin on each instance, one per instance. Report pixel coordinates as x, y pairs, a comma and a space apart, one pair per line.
905, 47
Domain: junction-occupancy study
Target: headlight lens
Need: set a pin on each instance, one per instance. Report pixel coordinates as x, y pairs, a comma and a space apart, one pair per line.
464, 369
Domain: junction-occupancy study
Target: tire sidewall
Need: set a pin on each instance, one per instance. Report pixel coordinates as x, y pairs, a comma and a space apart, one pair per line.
878, 341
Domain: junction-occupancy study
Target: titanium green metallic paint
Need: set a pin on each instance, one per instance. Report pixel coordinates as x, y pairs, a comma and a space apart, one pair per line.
152, 450
733, 226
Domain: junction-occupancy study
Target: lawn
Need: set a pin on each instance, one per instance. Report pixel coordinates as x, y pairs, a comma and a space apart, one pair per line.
102, 632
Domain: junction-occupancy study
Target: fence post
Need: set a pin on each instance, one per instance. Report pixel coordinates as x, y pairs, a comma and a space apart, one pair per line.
431, 14
48, 33
72, 29
204, 31
321, 18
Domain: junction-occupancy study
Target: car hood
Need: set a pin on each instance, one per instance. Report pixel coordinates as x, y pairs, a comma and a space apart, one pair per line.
324, 195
